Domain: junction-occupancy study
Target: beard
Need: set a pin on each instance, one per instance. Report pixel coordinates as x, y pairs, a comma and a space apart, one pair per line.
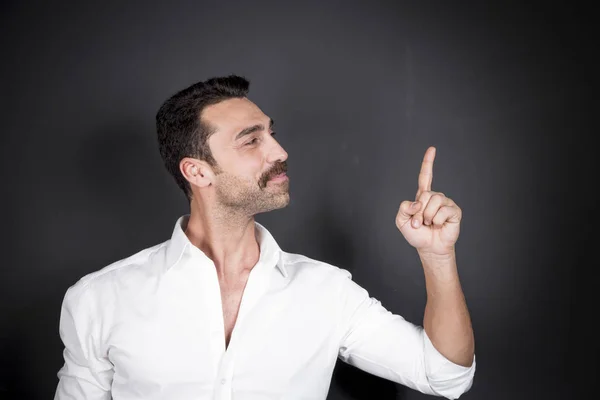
249, 197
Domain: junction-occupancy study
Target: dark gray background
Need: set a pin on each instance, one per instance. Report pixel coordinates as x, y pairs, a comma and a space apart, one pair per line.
358, 91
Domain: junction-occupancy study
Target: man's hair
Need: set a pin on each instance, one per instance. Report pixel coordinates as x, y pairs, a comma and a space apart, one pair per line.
182, 133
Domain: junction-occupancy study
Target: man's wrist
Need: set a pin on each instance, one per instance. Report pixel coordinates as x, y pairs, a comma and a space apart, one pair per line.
441, 267
445, 258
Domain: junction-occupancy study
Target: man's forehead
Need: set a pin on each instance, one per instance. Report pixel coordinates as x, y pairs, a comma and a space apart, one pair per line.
233, 114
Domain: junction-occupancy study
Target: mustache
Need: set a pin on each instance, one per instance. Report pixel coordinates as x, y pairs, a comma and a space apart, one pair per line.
278, 168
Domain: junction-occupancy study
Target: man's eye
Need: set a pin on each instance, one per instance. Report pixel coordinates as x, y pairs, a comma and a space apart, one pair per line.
251, 142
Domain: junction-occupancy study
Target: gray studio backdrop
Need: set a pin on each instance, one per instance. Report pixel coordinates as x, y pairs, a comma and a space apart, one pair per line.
358, 91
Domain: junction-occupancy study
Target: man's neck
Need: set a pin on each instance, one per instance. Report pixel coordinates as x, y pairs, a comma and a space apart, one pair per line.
229, 240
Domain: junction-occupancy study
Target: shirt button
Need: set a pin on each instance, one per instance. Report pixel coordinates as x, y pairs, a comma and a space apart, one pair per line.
223, 381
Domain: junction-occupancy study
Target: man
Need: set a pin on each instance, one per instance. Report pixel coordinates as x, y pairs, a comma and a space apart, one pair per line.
219, 311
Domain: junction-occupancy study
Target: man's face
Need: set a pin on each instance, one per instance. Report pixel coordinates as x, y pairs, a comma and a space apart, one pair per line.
251, 174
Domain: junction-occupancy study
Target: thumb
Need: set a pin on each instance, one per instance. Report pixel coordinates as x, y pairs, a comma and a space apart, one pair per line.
406, 212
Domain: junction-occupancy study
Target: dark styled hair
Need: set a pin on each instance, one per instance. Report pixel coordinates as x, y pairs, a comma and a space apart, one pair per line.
182, 133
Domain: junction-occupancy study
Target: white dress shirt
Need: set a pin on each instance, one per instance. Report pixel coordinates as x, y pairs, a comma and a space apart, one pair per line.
151, 327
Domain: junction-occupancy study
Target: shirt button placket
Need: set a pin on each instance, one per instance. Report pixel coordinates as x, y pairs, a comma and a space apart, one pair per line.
225, 390
224, 377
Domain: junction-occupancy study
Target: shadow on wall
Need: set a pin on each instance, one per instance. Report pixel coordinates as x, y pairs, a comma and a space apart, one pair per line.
352, 383
120, 165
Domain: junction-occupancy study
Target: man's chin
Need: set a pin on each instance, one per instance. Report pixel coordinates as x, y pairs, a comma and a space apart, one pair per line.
275, 206
282, 201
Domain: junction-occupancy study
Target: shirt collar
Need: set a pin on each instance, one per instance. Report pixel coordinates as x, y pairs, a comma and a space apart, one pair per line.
270, 252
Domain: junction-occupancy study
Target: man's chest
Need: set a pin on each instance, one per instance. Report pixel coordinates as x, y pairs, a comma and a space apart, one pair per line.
231, 298
184, 335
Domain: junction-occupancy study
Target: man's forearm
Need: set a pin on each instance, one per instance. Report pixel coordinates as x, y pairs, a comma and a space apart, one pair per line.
446, 320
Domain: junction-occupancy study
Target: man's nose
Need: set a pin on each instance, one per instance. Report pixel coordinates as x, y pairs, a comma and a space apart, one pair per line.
277, 153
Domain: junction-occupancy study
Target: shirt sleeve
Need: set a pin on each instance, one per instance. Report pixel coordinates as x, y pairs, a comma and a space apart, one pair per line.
388, 346
87, 373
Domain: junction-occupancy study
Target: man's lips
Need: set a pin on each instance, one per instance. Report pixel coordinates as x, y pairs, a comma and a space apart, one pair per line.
279, 178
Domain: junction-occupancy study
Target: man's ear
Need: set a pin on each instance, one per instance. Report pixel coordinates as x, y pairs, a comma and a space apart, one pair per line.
197, 172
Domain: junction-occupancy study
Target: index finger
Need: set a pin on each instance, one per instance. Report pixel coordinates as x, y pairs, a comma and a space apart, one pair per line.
426, 174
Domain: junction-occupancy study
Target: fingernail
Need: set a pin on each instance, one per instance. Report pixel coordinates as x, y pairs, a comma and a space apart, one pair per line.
415, 223
415, 204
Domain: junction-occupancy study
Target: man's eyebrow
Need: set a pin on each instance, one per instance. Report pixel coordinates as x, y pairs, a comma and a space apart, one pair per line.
254, 128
